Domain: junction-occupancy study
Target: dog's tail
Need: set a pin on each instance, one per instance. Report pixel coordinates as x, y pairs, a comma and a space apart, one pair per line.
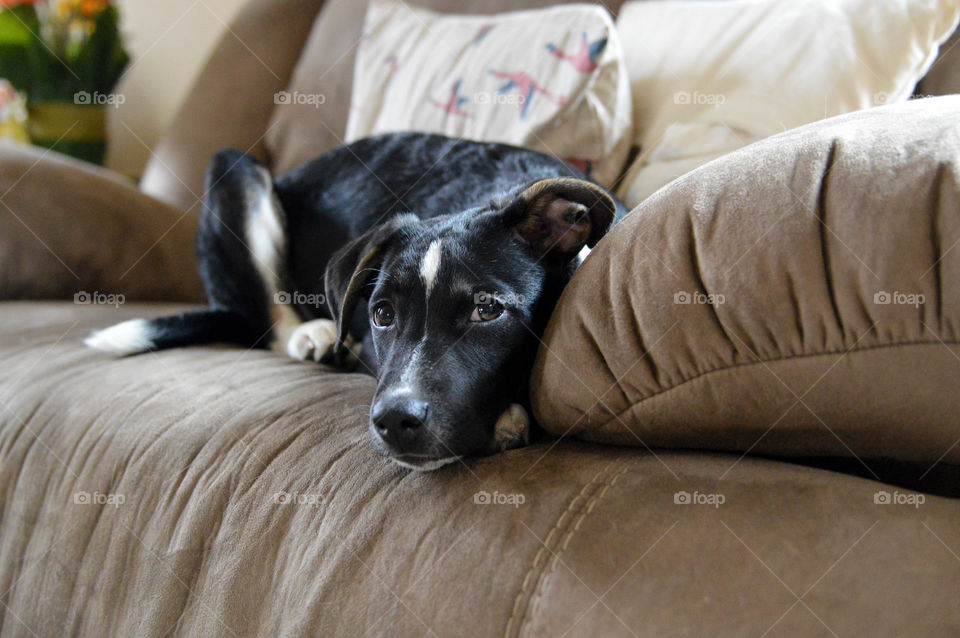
186, 329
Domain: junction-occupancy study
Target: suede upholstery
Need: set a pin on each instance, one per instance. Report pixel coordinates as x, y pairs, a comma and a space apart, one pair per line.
254, 505
67, 227
835, 319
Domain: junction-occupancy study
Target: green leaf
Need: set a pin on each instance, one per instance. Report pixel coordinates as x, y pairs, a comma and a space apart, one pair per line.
17, 25
17, 29
101, 61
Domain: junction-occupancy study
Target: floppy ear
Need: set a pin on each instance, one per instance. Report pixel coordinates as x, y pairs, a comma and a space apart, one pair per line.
351, 269
559, 216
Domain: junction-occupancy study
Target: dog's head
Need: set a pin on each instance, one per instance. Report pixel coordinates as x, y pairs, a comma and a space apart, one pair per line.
455, 307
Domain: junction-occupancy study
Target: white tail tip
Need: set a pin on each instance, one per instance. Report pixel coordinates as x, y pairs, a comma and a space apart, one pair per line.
129, 337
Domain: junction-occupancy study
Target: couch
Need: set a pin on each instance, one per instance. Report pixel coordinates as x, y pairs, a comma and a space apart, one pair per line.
220, 492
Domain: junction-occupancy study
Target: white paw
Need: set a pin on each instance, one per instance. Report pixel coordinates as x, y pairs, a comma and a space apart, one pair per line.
513, 428
312, 340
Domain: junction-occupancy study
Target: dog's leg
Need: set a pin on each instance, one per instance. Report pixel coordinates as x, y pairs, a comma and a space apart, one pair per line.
266, 236
314, 341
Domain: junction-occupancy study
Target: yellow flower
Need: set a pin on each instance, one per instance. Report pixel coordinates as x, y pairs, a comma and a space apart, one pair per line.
67, 9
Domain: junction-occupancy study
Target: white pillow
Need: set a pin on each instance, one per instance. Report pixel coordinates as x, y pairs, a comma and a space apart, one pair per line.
710, 77
542, 79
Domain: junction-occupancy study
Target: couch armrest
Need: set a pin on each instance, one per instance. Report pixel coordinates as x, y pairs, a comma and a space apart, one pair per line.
67, 227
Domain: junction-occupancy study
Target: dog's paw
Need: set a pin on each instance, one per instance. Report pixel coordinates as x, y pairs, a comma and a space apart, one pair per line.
513, 428
312, 340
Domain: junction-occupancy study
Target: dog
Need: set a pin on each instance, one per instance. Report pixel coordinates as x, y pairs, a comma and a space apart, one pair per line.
429, 262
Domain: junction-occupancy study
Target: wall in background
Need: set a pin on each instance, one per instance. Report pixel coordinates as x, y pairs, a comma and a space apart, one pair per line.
168, 43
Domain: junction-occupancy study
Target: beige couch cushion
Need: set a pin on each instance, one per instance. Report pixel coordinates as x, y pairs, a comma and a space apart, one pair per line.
299, 132
218, 492
830, 255
711, 77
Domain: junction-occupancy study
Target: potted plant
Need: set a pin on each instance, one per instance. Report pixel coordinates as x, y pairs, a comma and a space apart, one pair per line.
66, 56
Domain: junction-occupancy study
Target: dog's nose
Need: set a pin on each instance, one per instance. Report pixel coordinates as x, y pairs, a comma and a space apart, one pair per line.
399, 421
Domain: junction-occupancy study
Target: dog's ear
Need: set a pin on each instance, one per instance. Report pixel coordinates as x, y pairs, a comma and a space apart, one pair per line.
559, 216
350, 271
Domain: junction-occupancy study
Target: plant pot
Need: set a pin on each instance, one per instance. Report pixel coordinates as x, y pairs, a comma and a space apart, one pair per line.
15, 131
79, 130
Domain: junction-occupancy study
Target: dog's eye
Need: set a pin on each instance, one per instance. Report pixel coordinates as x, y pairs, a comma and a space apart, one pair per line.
383, 314
487, 311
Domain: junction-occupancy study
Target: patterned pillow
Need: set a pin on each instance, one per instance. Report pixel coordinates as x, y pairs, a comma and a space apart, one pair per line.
551, 79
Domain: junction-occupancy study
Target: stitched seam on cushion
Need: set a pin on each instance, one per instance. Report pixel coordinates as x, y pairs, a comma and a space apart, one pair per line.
571, 531
735, 366
544, 547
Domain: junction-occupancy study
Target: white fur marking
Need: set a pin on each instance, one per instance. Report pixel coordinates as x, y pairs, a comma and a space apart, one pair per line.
430, 265
429, 466
267, 242
312, 340
129, 337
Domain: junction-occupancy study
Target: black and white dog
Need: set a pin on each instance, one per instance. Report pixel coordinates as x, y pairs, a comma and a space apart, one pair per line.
460, 249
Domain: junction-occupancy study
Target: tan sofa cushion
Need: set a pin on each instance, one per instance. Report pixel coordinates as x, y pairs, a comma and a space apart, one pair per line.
218, 492
830, 255
68, 228
299, 132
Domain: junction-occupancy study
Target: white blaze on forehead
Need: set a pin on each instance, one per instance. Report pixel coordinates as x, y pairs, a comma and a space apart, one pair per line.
430, 265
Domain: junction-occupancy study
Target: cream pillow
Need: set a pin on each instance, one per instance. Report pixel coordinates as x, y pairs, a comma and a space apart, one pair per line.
552, 80
710, 77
